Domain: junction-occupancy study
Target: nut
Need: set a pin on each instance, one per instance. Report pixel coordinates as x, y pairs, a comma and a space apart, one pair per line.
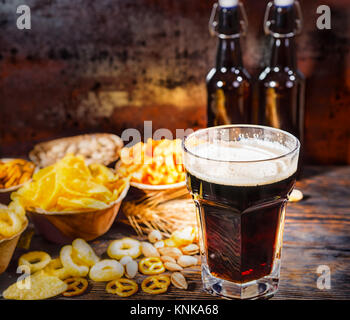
159, 244
178, 280
171, 252
154, 236
172, 266
199, 259
167, 259
125, 260
148, 250
131, 269
296, 196
187, 261
190, 249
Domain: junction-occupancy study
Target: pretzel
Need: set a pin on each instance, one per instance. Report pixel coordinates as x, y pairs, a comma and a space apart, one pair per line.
156, 284
122, 287
151, 265
35, 260
76, 286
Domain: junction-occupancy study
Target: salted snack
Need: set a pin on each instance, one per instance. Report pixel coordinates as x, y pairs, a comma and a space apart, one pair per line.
131, 269
42, 286
157, 162
75, 286
124, 247
83, 253
71, 186
12, 219
106, 270
35, 260
156, 284
14, 172
179, 280
74, 269
295, 196
148, 250
151, 265
95, 148
122, 287
56, 268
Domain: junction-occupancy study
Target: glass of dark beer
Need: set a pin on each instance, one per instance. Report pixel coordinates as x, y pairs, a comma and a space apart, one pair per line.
240, 177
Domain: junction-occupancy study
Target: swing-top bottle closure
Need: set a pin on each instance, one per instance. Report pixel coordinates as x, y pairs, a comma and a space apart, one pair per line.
213, 23
268, 22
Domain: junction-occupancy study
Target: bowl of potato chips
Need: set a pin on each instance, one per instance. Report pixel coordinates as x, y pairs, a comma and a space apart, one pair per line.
71, 199
155, 165
12, 223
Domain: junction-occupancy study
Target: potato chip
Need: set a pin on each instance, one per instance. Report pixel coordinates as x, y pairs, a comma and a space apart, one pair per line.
42, 286
71, 185
158, 162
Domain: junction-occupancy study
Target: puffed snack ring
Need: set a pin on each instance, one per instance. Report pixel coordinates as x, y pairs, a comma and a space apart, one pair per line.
73, 267
84, 253
122, 287
124, 247
151, 265
56, 268
35, 260
75, 286
156, 284
106, 270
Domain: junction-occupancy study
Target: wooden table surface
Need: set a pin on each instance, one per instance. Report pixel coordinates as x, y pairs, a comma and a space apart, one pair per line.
317, 232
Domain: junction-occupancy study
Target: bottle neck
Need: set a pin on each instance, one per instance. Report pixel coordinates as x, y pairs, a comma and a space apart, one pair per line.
229, 54
283, 49
283, 53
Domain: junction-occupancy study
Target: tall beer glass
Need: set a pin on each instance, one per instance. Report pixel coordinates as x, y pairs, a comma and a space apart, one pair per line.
240, 177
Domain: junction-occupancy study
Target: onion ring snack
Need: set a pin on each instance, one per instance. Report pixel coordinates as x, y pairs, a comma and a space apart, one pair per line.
106, 270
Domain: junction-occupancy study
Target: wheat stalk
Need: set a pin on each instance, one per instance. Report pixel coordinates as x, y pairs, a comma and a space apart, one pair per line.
165, 211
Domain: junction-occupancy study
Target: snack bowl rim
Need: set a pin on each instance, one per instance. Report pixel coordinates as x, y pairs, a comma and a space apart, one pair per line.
155, 187
44, 212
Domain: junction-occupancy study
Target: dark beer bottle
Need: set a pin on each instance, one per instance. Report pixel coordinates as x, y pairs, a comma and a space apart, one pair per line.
228, 84
281, 84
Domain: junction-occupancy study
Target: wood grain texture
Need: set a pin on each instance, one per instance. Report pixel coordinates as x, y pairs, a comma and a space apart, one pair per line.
317, 232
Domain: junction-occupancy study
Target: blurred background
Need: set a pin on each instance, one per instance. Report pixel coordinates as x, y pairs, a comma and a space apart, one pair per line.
108, 65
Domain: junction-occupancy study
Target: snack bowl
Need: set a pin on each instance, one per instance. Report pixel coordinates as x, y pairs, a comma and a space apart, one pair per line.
7, 248
64, 227
96, 148
6, 193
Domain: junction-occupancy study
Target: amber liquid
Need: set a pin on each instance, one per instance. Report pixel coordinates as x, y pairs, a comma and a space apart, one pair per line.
241, 226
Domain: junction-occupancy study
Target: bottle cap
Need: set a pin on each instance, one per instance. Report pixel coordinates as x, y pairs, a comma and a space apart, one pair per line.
228, 3
283, 3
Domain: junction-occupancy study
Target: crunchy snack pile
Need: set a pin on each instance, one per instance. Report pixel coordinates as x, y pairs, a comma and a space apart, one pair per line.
12, 219
95, 148
15, 172
158, 162
161, 263
70, 185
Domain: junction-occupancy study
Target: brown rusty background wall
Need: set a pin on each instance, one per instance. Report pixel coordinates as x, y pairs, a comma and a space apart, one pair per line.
107, 65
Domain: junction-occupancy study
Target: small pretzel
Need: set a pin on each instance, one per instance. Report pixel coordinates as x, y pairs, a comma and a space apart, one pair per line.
122, 287
156, 284
151, 265
76, 286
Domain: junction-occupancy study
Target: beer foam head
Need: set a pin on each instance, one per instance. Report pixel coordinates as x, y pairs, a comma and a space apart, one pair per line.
240, 163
